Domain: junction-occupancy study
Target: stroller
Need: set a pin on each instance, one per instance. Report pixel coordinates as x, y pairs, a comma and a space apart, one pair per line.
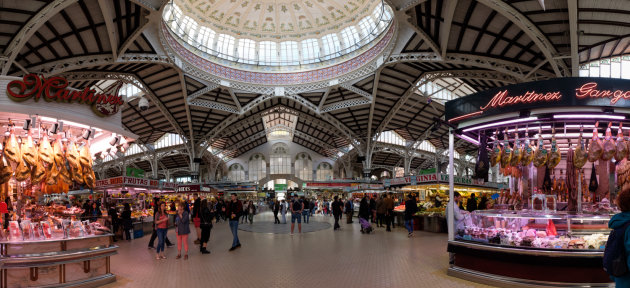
366, 227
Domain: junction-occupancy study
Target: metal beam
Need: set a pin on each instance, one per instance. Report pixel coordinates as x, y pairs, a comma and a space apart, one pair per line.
351, 87
234, 98
191, 140
423, 35
531, 30
202, 91
27, 30
345, 104
410, 4
445, 29
323, 100
144, 24
84, 62
106, 10
573, 35
213, 105
369, 149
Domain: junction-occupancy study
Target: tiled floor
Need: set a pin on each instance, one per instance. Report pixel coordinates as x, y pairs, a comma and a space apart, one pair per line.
325, 258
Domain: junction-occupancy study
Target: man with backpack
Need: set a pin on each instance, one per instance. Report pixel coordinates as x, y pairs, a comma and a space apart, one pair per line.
297, 207
618, 245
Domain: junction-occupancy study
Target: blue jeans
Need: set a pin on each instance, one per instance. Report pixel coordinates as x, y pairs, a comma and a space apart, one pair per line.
234, 228
409, 225
161, 233
307, 215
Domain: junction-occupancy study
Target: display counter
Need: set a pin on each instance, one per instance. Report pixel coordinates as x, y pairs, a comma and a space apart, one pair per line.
83, 262
525, 249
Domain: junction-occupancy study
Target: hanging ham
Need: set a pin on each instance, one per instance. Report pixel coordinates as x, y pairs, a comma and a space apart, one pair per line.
12, 149
38, 173
495, 154
482, 166
29, 151
45, 151
540, 156
58, 150
72, 155
517, 151
5, 170
609, 146
506, 154
595, 149
22, 172
527, 151
554, 154
579, 155
572, 178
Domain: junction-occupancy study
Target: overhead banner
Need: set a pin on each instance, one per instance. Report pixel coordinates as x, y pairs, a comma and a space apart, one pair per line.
127, 181
193, 188
557, 92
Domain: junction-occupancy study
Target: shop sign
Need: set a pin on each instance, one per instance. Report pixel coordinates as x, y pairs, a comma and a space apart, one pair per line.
328, 184
559, 92
168, 185
123, 181
135, 172
280, 187
192, 188
56, 89
387, 183
456, 179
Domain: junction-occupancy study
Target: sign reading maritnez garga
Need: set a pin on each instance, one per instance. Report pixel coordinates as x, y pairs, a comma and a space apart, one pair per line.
56, 89
560, 92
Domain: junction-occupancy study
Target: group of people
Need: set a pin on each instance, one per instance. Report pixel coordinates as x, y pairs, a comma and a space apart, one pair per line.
307, 209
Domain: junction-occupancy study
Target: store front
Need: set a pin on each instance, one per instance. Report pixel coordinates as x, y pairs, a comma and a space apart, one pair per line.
552, 226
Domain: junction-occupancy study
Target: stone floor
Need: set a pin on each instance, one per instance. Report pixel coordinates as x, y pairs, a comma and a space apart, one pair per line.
324, 258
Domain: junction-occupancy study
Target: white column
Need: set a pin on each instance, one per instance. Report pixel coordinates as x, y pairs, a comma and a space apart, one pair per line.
451, 188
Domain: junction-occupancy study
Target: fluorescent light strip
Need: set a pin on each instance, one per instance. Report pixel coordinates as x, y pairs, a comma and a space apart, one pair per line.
471, 140
589, 116
531, 129
501, 123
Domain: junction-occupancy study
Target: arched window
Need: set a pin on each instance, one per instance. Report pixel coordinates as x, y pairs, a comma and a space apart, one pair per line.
236, 173
331, 46
324, 171
385, 174
304, 167
615, 67
310, 51
268, 53
247, 51
367, 26
187, 29
225, 46
280, 162
289, 54
350, 37
205, 37
257, 167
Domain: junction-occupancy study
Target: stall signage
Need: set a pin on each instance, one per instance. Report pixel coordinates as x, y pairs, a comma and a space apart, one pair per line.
132, 181
559, 92
328, 184
192, 188
56, 89
456, 179
168, 185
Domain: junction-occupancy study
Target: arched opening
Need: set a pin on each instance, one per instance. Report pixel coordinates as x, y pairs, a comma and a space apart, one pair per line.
257, 167
304, 166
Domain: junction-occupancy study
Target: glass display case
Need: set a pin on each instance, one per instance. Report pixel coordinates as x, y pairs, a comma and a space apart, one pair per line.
525, 229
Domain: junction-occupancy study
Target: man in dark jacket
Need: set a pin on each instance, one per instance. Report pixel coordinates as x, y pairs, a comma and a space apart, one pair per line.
337, 210
233, 211
113, 215
306, 209
276, 208
349, 211
411, 207
389, 210
373, 209
471, 204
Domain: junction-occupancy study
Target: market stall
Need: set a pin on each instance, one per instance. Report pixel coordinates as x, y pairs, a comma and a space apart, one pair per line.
46, 152
548, 138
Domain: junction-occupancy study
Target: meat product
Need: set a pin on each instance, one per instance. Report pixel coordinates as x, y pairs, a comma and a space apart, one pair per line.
527, 151
554, 155
22, 172
54, 171
506, 154
45, 151
495, 153
12, 149
50, 180
58, 150
546, 182
621, 147
595, 149
609, 147
593, 184
572, 179
517, 151
89, 178
38, 173
64, 174
5, 171
579, 155
72, 155
29, 152
85, 157
77, 175
540, 156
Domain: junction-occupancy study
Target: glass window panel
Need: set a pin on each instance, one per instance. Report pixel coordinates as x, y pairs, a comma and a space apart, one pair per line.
310, 51
267, 54
225, 46
289, 54
205, 37
615, 69
350, 37
367, 26
331, 46
625, 69
247, 51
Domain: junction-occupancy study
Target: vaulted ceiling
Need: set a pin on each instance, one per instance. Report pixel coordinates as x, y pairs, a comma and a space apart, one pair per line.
485, 44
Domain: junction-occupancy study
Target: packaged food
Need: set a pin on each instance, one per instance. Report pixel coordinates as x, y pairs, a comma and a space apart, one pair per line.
38, 234
15, 234
46, 230
27, 233
87, 227
76, 230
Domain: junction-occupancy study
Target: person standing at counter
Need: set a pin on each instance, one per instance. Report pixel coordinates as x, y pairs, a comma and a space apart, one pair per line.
483, 203
471, 204
411, 207
621, 222
389, 211
126, 220
349, 211
182, 228
161, 223
233, 210
195, 216
459, 215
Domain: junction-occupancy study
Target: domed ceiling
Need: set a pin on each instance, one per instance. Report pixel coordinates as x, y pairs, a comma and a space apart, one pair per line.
277, 19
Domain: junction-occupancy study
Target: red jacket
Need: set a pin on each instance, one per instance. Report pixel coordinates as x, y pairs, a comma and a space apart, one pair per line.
234, 208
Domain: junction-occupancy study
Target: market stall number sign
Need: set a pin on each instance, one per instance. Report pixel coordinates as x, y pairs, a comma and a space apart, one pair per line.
560, 92
56, 89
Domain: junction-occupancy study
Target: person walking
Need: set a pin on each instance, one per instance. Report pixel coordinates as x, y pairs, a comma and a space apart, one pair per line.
337, 209
389, 211
205, 224
251, 211
297, 208
276, 209
245, 213
126, 220
380, 211
373, 209
156, 206
161, 223
182, 229
620, 223
306, 210
411, 207
349, 211
233, 210
364, 210
283, 207
195, 216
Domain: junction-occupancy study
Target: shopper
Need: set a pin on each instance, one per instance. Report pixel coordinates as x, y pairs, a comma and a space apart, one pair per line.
380, 211
251, 211
364, 210
276, 209
95, 212
459, 214
182, 228
483, 203
297, 208
411, 207
161, 223
620, 223
349, 211
284, 211
471, 204
113, 218
389, 211
206, 216
373, 209
306, 210
126, 220
156, 202
233, 210
337, 209
245, 213
195, 216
